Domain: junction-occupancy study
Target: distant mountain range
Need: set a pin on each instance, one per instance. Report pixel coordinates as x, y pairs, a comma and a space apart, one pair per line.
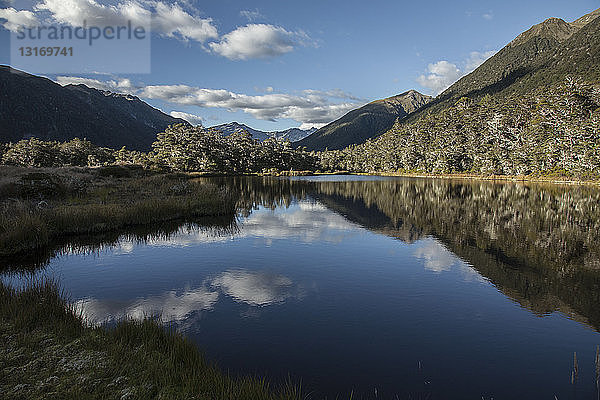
292, 134
365, 122
32, 106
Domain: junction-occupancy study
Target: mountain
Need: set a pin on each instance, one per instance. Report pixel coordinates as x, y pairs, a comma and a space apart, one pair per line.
292, 134
32, 106
542, 56
533, 109
365, 122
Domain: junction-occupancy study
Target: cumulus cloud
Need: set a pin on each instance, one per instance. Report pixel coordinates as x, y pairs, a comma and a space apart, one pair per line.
76, 12
172, 21
17, 19
191, 118
308, 108
169, 20
165, 19
477, 58
442, 74
258, 41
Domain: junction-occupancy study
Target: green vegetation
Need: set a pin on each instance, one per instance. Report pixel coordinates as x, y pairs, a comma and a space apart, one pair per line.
179, 148
49, 352
183, 148
39, 207
554, 132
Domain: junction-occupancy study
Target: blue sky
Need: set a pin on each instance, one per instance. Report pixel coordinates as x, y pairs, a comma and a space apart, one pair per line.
280, 64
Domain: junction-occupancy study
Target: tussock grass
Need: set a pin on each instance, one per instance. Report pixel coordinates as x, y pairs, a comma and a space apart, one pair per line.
99, 203
50, 352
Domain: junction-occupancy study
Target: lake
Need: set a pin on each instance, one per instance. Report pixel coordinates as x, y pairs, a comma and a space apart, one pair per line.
383, 287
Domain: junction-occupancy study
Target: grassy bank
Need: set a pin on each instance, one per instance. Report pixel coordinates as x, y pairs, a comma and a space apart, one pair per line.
41, 205
48, 352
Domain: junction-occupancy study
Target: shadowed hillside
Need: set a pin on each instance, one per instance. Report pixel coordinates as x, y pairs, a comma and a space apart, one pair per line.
364, 123
31, 106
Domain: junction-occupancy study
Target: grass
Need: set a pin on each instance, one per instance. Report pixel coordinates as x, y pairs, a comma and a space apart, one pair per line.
39, 207
50, 352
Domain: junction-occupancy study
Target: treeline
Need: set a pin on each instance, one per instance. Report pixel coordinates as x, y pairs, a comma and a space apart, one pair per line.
179, 148
551, 132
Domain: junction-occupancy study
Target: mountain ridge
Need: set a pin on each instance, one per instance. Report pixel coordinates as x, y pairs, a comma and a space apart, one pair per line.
34, 106
366, 122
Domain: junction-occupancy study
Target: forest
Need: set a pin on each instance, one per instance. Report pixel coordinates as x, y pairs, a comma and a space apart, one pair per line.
550, 132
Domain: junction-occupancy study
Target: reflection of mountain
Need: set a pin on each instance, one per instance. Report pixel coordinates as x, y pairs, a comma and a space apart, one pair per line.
255, 288
538, 244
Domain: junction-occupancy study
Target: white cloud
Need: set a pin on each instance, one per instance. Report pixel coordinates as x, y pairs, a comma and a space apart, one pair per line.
489, 16
310, 107
17, 19
169, 20
441, 75
173, 21
191, 118
76, 12
165, 19
258, 41
477, 58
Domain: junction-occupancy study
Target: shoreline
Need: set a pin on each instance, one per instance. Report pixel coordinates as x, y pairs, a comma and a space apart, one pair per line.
491, 178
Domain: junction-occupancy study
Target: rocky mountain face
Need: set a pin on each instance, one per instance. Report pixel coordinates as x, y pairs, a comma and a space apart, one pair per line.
292, 134
32, 106
365, 122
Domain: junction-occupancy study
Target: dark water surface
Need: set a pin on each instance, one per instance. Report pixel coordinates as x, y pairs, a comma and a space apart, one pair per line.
420, 289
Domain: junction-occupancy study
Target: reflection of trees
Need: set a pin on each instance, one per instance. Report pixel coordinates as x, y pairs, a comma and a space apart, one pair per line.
217, 226
539, 244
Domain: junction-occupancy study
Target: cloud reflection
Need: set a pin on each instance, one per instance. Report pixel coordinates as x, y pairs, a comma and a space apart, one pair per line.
308, 222
254, 288
437, 258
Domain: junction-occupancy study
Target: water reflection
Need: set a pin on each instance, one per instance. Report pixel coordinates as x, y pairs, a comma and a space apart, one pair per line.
254, 288
169, 306
352, 282
539, 244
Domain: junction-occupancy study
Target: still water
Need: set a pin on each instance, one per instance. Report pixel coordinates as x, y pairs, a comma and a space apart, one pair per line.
384, 287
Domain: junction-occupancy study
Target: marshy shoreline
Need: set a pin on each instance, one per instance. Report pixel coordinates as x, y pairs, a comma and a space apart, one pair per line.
39, 206
50, 351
